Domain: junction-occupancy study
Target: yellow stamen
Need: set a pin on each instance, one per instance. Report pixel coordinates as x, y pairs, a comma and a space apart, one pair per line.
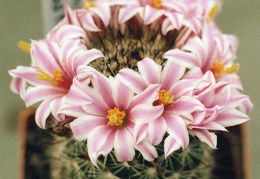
234, 68
219, 70
24, 46
156, 4
165, 97
56, 79
115, 117
212, 13
88, 5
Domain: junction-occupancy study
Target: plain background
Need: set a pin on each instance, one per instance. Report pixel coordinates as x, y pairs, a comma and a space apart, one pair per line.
22, 20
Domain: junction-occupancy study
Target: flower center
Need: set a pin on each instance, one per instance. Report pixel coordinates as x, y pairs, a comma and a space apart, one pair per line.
115, 117
165, 98
219, 70
56, 79
88, 5
156, 4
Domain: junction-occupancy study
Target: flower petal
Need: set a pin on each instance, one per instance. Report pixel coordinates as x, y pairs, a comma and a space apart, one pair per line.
147, 150
126, 13
170, 74
122, 95
170, 145
143, 114
46, 92
132, 80
177, 129
42, 112
103, 11
151, 14
150, 71
100, 142
139, 133
205, 136
157, 130
82, 126
42, 57
232, 117
184, 105
123, 145
88, 56
184, 59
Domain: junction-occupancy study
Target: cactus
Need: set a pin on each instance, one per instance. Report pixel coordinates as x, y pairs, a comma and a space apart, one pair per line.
135, 89
62, 156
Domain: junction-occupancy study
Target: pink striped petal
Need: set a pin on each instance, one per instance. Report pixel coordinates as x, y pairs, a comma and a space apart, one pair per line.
157, 130
76, 96
74, 111
150, 71
184, 105
197, 47
184, 59
122, 95
88, 56
148, 96
170, 74
55, 106
167, 26
68, 32
100, 142
139, 133
46, 92
87, 21
231, 118
25, 73
170, 145
209, 126
42, 113
246, 105
70, 15
151, 14
187, 87
194, 73
42, 57
209, 138
103, 11
126, 13
102, 86
177, 129
176, 19
143, 114
147, 150
132, 80
18, 86
123, 145
82, 126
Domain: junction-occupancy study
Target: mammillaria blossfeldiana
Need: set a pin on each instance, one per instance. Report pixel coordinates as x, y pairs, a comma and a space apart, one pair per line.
139, 83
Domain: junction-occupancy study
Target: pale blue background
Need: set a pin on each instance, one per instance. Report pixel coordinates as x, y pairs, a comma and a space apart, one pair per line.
22, 20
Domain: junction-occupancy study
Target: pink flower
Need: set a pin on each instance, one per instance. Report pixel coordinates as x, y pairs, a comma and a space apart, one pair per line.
109, 121
174, 98
215, 52
94, 15
51, 74
220, 110
167, 11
